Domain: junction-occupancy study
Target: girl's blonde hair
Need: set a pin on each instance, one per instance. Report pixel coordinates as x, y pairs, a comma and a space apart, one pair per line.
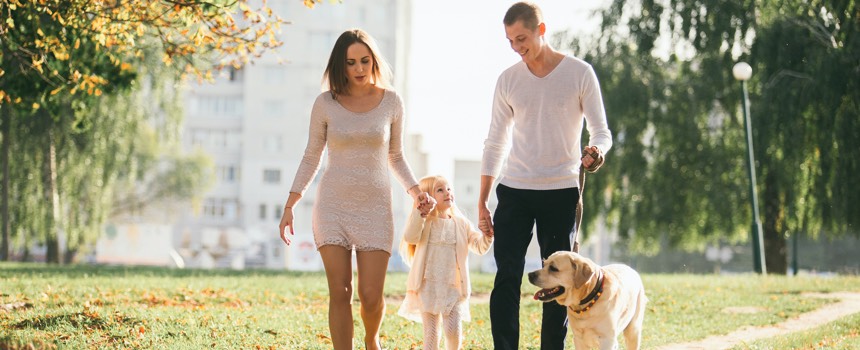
427, 184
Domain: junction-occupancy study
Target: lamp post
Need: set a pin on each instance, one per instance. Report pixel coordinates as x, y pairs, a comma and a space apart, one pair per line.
742, 71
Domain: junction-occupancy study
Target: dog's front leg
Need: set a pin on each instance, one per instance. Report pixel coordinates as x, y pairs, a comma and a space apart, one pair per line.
608, 343
582, 338
579, 343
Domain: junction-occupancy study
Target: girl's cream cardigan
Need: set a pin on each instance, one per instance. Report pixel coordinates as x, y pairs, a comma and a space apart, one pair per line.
413, 249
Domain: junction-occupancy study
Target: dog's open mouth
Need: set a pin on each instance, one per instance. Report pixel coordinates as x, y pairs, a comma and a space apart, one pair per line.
549, 294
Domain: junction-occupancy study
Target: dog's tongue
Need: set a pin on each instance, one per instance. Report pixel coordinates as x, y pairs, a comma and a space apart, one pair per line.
548, 294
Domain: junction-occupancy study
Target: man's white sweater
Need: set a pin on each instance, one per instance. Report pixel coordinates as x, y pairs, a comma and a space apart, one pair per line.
540, 120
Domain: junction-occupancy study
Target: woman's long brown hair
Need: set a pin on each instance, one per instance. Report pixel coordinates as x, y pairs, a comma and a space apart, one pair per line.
335, 71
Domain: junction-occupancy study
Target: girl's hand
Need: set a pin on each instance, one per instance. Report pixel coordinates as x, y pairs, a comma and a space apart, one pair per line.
485, 221
425, 203
286, 221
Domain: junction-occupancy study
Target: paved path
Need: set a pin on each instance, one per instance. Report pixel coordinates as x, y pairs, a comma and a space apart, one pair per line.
849, 304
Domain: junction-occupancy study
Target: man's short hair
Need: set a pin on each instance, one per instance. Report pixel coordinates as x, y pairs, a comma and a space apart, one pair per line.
527, 12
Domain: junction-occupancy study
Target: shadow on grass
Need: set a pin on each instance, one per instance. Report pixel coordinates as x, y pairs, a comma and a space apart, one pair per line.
21, 270
83, 320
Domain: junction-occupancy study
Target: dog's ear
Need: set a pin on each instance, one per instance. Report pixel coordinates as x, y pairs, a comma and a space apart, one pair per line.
581, 272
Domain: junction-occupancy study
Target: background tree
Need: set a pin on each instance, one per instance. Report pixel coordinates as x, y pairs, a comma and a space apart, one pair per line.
807, 55
678, 171
59, 59
193, 36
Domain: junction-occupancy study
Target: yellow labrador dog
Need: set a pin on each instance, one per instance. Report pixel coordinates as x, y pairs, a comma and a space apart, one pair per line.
602, 301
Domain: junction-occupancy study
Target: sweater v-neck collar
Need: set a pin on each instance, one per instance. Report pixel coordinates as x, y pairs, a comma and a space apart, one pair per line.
563, 58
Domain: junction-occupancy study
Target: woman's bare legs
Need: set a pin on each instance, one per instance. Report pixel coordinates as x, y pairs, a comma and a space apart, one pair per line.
338, 271
372, 266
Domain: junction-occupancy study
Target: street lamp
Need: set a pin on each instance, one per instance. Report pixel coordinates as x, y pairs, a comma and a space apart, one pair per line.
742, 71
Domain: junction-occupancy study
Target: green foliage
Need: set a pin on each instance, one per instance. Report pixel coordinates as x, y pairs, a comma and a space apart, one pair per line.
71, 74
678, 167
807, 118
676, 154
80, 46
116, 154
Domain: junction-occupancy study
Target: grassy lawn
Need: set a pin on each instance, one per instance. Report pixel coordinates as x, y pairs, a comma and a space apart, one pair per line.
118, 307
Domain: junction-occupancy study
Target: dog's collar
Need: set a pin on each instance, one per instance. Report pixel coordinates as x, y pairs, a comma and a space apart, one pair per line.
593, 296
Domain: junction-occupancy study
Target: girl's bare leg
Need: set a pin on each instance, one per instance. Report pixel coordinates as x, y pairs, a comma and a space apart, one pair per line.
372, 266
337, 261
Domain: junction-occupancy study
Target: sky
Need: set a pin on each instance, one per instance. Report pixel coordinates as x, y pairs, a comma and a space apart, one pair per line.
458, 50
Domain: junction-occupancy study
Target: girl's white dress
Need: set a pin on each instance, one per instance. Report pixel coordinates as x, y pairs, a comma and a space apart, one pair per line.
440, 291
437, 250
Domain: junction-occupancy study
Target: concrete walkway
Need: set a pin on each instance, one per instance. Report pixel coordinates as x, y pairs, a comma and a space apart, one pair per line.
849, 304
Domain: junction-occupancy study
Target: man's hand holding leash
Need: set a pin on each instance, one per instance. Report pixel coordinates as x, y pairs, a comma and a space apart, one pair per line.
592, 158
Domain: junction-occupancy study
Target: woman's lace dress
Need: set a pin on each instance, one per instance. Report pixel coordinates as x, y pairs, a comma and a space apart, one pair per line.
353, 205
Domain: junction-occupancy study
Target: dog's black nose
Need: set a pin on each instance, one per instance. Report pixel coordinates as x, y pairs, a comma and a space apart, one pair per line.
532, 276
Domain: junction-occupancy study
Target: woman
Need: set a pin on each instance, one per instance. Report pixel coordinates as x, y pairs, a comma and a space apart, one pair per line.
360, 120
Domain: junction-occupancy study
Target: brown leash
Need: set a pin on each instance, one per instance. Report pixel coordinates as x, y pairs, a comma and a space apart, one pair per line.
575, 232
598, 162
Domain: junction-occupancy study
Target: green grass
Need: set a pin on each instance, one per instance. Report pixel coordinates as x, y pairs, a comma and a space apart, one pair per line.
118, 307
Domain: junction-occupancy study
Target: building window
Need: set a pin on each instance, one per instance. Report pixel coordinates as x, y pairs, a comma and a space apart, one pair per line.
278, 212
321, 42
274, 108
234, 141
216, 139
262, 211
227, 173
273, 144
272, 176
236, 75
198, 137
219, 105
221, 208
231, 209
275, 75
230, 176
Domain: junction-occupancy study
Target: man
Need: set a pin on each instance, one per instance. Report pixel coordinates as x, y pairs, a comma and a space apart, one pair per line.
539, 108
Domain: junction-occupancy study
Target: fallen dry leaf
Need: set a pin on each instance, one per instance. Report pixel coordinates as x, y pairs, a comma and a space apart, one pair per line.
16, 305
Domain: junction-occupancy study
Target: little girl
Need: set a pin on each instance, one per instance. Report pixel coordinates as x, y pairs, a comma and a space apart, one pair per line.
437, 248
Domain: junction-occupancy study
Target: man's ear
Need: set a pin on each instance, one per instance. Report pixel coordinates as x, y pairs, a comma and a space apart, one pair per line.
542, 28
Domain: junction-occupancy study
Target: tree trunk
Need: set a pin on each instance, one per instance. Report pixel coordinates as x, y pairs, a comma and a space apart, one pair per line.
6, 123
69, 255
775, 247
49, 179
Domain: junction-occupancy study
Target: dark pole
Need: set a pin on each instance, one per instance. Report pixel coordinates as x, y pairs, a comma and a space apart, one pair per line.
758, 248
794, 252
